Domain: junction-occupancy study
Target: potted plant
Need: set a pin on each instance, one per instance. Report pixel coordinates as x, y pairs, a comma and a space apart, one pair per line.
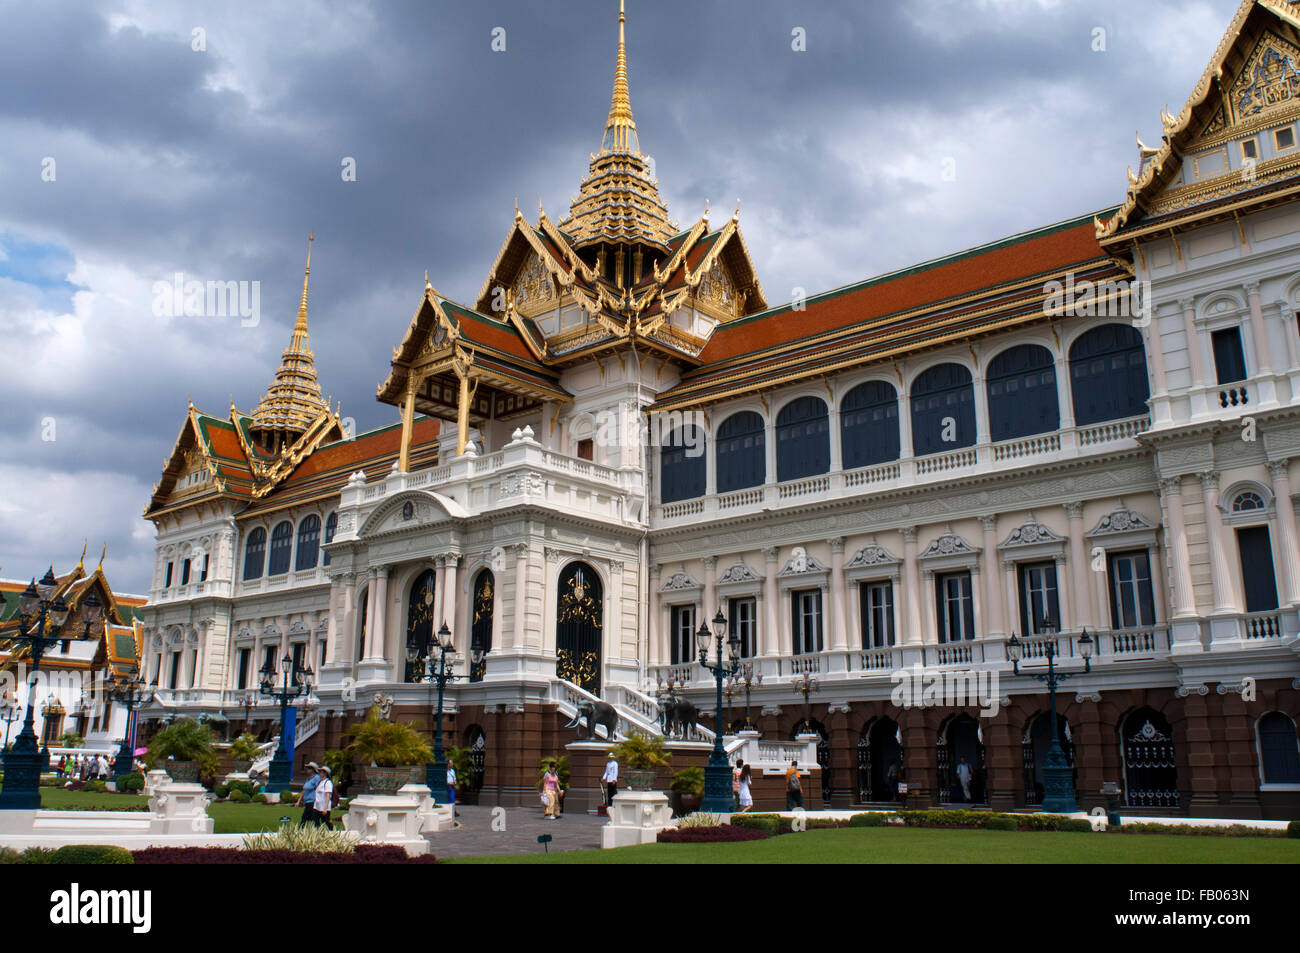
183, 749
641, 756
561, 769
394, 752
688, 788
243, 751
462, 759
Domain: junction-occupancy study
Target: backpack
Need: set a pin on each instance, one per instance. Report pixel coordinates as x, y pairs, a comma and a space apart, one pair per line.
794, 782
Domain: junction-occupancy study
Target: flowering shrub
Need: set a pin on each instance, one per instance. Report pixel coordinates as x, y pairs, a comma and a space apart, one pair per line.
315, 840
722, 833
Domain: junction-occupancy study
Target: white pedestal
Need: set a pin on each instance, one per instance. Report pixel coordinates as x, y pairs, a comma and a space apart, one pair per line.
383, 819
180, 808
433, 818
154, 778
636, 817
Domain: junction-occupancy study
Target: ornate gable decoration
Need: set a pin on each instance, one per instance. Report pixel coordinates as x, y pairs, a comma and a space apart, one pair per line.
1269, 79
717, 290
949, 544
1030, 534
679, 582
533, 288
738, 573
801, 564
1122, 520
870, 556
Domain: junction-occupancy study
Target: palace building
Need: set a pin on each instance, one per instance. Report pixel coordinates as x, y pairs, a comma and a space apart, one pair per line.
1083, 436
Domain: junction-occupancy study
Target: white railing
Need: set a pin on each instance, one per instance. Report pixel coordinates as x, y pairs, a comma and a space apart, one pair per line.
1112, 430
584, 468
1028, 447
954, 653
879, 660
685, 508
869, 475
567, 696
806, 665
628, 697
1262, 625
818, 484
1135, 643
729, 501
944, 462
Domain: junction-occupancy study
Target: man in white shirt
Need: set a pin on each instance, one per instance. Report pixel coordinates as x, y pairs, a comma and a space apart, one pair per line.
610, 780
323, 799
964, 776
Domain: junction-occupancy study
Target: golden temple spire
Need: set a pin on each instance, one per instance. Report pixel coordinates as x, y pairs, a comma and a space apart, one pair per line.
620, 128
301, 324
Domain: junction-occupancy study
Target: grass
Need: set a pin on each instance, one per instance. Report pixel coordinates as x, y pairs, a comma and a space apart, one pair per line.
230, 818
927, 846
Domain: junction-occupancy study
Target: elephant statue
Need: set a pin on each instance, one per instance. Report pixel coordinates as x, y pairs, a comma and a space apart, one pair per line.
680, 718
595, 713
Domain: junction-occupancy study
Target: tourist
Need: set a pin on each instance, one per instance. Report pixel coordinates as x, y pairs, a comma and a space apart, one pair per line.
307, 799
63, 763
891, 780
451, 787
735, 780
610, 780
551, 791
323, 799
964, 776
793, 790
743, 793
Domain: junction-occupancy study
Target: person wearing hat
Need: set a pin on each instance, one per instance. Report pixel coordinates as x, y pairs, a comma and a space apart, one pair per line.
324, 799
307, 800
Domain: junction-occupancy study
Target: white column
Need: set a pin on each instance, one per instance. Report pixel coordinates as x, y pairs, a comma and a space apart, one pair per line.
1195, 363
904, 425
380, 599
711, 588
1258, 333
769, 448
439, 592
1279, 470
839, 613
1287, 314
1013, 596
1080, 568
833, 426
1171, 490
657, 656
1224, 599
451, 575
912, 586
1159, 583
769, 636
994, 611
1067, 622
1065, 406
367, 650
521, 596
1156, 353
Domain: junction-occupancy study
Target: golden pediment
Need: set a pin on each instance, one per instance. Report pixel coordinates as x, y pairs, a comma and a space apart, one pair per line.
533, 287
1271, 78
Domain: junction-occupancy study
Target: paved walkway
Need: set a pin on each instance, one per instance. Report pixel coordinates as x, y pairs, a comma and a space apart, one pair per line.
522, 825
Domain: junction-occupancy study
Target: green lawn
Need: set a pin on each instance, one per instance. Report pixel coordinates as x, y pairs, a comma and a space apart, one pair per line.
230, 818
928, 846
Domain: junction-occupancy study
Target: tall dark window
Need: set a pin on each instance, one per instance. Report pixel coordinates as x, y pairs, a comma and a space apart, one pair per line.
1108, 374
480, 630
806, 620
681, 465
308, 543
1022, 393
954, 607
743, 620
245, 658
1131, 600
331, 526
1278, 749
174, 679
254, 551
877, 602
1039, 599
869, 425
203, 573
168, 581
363, 607
1229, 359
803, 446
943, 410
281, 549
185, 573
683, 647
269, 659
1257, 577
742, 454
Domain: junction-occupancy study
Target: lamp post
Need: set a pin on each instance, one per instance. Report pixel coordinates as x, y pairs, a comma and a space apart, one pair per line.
717, 776
132, 693
10, 711
807, 686
729, 691
749, 678
298, 680
1058, 776
435, 773
41, 617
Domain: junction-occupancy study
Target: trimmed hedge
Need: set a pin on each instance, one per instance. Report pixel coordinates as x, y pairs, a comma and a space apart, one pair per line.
998, 823
364, 854
1229, 830
723, 833
132, 782
238, 797
867, 820
769, 824
91, 854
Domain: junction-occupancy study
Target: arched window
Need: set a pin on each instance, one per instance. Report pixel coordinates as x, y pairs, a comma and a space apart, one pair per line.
1245, 502
1279, 751
1108, 374
281, 549
742, 453
254, 550
308, 543
869, 425
803, 446
943, 410
420, 606
681, 465
480, 630
1022, 393
331, 525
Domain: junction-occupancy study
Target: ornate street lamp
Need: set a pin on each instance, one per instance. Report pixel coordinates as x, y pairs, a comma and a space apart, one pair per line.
717, 776
807, 686
435, 773
298, 680
1058, 776
748, 678
730, 689
132, 693
41, 617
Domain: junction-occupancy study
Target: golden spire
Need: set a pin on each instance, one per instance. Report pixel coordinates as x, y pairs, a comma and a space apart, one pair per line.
293, 401
620, 128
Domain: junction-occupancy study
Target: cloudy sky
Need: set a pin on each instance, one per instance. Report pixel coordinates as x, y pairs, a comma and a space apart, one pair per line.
142, 138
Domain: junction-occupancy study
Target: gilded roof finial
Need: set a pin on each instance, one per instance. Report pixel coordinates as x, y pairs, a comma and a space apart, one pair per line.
620, 128
302, 307
518, 214
735, 216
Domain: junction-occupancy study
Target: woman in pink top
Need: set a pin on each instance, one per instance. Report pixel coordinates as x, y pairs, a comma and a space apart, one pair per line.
551, 791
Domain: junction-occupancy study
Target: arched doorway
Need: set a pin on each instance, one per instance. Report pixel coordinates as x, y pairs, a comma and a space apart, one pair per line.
477, 744
812, 726
1150, 770
880, 761
961, 742
1034, 747
419, 624
480, 635
579, 618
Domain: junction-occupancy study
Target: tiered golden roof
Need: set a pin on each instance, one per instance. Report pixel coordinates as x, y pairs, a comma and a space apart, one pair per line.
293, 401
618, 200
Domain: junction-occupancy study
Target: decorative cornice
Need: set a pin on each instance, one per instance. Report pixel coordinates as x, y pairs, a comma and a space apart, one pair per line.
679, 582
872, 556
1030, 534
949, 544
738, 573
1120, 521
801, 564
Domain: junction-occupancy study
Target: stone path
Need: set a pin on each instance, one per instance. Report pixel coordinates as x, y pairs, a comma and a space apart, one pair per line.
476, 837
